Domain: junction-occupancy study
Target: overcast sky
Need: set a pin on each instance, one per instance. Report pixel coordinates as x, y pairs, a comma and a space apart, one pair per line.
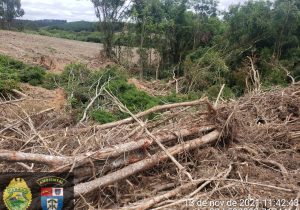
73, 10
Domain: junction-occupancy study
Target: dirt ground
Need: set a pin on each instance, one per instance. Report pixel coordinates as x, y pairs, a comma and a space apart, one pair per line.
54, 53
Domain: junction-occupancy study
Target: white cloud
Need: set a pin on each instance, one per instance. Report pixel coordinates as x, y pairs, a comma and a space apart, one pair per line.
224, 4
71, 10
74, 10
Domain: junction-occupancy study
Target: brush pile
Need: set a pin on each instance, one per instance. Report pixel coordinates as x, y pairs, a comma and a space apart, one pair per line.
190, 155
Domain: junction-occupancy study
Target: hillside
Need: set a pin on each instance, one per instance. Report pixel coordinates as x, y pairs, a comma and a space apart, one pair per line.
53, 53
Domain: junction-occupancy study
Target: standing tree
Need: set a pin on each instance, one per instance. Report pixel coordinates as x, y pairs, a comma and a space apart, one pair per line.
9, 10
204, 9
110, 12
285, 24
147, 14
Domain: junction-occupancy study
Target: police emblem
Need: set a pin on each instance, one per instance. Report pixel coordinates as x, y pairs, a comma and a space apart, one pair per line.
52, 198
17, 195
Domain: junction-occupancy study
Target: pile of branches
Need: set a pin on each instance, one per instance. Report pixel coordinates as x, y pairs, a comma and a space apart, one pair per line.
189, 151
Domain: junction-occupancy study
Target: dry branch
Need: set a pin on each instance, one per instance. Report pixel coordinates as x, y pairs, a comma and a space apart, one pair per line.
19, 93
179, 190
87, 187
142, 124
219, 96
11, 101
152, 110
151, 202
283, 170
24, 119
98, 92
254, 75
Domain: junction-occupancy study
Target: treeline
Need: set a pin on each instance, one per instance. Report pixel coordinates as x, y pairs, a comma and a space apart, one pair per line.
209, 47
77, 30
36, 24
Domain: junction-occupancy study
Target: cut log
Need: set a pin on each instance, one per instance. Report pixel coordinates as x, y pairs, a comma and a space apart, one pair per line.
117, 150
63, 163
142, 165
13, 156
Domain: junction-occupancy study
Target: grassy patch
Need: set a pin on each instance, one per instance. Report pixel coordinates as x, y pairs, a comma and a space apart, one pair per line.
103, 116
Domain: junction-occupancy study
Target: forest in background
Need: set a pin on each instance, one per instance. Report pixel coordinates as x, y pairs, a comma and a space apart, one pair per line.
205, 46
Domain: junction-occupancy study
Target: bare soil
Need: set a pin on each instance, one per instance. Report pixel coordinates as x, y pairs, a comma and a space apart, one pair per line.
50, 52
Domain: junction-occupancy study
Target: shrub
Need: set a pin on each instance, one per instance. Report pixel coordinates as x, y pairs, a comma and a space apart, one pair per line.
93, 39
275, 76
204, 68
103, 116
10, 63
7, 84
51, 81
32, 75
79, 82
12, 72
176, 98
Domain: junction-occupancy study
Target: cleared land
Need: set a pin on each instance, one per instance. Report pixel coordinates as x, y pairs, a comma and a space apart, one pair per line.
53, 53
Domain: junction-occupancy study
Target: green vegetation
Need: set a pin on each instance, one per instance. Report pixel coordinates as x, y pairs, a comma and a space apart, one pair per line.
12, 72
192, 40
80, 84
103, 116
76, 26
207, 50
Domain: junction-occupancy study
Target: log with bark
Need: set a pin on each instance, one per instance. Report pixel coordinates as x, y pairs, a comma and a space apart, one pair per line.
64, 163
142, 165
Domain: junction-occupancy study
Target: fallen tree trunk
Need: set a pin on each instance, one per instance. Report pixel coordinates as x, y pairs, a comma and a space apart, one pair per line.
142, 165
120, 149
13, 156
63, 163
166, 136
